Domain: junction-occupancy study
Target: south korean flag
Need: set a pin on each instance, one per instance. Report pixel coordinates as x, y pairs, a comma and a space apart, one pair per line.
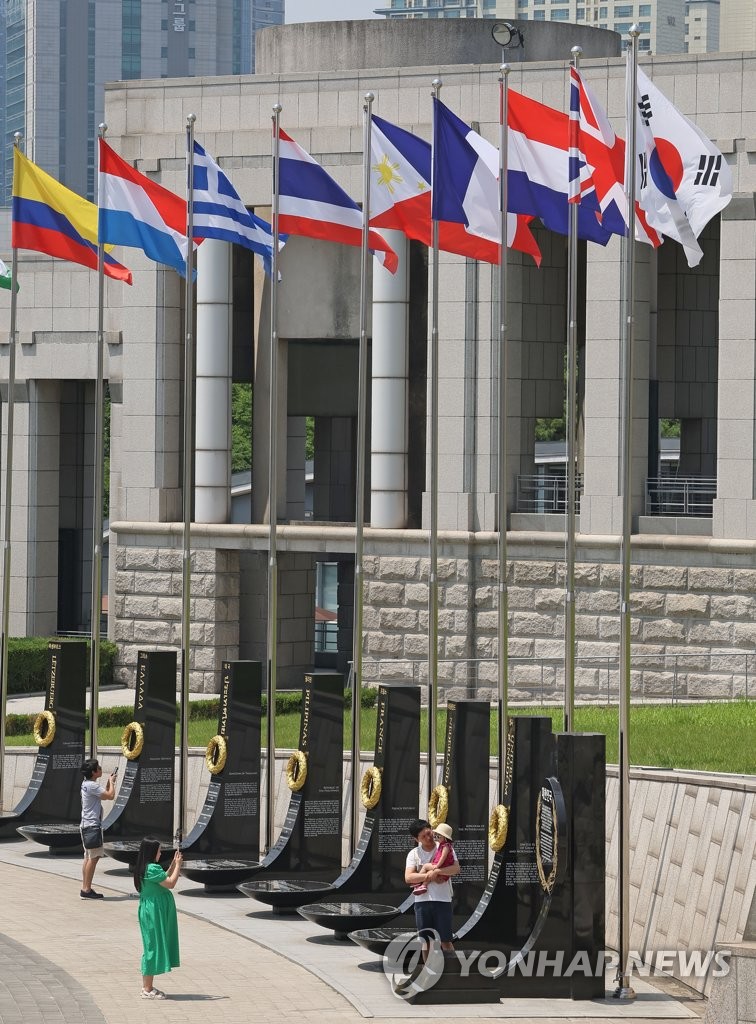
682, 179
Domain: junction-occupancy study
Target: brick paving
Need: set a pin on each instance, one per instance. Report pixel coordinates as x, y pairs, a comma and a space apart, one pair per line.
63, 959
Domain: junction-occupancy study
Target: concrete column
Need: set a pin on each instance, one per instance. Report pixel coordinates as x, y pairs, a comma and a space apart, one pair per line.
735, 506
388, 430
212, 427
296, 449
601, 503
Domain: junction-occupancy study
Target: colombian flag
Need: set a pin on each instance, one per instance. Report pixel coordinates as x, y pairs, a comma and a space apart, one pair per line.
49, 218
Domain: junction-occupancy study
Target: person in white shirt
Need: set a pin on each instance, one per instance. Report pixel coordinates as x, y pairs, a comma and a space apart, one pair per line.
433, 909
92, 795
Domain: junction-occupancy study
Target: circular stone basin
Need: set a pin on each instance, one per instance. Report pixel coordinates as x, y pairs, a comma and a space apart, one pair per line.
219, 873
377, 940
55, 836
284, 893
126, 851
344, 917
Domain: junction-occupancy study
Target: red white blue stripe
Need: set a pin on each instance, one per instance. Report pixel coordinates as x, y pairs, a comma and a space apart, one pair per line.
138, 212
311, 203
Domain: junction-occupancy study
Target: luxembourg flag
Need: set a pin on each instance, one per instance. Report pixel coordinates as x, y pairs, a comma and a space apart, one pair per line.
684, 180
313, 205
539, 169
137, 212
400, 198
597, 163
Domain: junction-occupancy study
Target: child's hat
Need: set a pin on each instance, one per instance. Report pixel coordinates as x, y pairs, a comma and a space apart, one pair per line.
444, 830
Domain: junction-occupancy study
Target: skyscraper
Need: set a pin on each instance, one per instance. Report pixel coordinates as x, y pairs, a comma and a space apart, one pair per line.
57, 55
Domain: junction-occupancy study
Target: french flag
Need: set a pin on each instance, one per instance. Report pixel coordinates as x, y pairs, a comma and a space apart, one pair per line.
539, 169
400, 197
313, 205
137, 212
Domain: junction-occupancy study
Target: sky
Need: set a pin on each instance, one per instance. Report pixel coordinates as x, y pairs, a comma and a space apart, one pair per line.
330, 10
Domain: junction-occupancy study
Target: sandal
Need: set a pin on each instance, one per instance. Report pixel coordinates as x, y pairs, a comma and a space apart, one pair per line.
153, 993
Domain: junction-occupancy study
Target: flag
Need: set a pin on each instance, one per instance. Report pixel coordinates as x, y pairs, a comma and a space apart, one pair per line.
683, 179
597, 163
539, 169
400, 198
6, 279
312, 204
218, 212
137, 212
49, 218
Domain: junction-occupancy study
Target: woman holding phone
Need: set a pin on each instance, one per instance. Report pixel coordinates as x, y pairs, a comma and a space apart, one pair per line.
157, 914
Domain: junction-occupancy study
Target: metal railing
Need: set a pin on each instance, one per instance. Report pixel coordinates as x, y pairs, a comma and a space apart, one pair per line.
545, 494
326, 636
680, 496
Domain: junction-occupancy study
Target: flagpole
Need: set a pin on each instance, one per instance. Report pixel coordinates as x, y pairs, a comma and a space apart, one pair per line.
272, 638
188, 479
433, 541
572, 279
8, 501
359, 514
503, 604
96, 606
624, 989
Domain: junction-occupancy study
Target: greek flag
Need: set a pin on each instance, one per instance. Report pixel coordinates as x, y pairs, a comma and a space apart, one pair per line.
218, 212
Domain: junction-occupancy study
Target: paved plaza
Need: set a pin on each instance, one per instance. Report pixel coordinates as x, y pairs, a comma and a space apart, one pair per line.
62, 959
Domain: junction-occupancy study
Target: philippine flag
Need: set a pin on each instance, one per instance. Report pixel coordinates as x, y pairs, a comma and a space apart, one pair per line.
683, 180
597, 163
313, 205
539, 169
400, 197
137, 212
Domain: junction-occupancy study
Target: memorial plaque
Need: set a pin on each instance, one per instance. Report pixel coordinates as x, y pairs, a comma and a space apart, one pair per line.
229, 823
144, 805
377, 866
53, 792
465, 774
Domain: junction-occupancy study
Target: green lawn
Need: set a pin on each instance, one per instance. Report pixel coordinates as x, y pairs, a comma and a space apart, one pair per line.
718, 737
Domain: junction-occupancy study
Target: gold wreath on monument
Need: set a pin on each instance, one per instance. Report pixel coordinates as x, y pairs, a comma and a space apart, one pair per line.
498, 826
44, 728
216, 753
296, 771
370, 788
132, 741
438, 806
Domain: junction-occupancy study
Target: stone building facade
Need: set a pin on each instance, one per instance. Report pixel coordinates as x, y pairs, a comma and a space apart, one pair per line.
695, 361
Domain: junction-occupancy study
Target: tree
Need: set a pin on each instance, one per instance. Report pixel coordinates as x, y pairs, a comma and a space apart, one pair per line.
241, 427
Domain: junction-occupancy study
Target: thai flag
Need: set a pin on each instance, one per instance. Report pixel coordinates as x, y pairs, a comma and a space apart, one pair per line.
400, 197
137, 212
312, 204
539, 169
218, 212
683, 179
600, 156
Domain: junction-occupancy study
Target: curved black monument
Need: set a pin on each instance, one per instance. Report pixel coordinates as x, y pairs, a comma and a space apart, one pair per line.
464, 778
543, 905
377, 867
310, 841
144, 805
53, 792
224, 843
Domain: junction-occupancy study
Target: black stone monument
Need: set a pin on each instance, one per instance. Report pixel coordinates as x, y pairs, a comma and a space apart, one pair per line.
391, 786
53, 792
144, 805
310, 841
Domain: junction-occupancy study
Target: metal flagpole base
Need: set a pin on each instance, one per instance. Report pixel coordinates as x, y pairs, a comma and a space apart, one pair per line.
624, 990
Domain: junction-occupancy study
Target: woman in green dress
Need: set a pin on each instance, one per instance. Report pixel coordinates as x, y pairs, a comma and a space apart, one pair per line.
157, 914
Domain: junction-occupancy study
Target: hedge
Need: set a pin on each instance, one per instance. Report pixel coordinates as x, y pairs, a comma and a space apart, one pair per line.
287, 703
27, 663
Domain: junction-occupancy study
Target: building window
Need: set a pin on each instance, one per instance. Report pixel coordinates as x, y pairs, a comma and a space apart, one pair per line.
623, 11
644, 11
644, 44
560, 15
645, 26
580, 13
539, 16
622, 26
